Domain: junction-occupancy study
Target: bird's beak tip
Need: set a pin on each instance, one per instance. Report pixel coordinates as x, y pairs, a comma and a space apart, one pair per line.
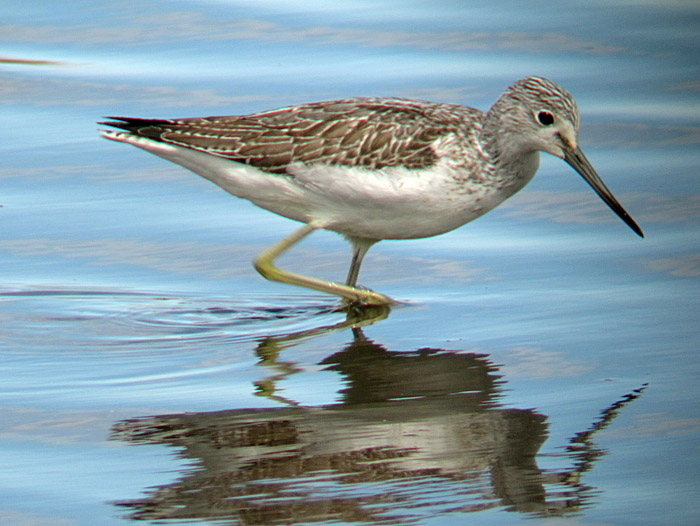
578, 161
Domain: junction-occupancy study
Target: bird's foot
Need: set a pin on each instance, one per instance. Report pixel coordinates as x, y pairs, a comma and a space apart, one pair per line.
362, 296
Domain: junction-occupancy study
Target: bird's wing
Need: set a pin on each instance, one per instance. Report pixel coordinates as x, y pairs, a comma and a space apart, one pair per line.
371, 133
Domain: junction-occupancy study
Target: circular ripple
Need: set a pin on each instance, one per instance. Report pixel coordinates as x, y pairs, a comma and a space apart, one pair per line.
116, 317
241, 318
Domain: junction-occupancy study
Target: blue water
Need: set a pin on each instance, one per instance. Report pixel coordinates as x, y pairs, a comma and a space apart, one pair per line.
544, 368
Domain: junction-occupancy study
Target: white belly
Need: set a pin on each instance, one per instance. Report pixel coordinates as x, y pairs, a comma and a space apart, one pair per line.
394, 203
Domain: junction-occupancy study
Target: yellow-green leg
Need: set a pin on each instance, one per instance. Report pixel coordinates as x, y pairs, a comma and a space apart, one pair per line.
264, 264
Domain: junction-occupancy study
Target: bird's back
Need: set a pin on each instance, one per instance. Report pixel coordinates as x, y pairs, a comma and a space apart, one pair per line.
372, 133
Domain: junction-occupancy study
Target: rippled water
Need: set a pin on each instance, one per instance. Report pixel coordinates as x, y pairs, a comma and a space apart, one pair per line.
543, 368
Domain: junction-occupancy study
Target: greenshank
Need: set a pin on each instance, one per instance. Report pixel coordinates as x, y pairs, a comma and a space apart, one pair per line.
374, 168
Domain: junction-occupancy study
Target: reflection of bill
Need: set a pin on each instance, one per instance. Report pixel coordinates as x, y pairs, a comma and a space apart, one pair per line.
416, 434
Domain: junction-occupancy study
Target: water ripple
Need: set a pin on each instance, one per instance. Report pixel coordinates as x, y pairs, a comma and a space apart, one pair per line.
118, 318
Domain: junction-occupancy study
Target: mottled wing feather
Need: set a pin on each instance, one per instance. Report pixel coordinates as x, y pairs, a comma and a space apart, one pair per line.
372, 133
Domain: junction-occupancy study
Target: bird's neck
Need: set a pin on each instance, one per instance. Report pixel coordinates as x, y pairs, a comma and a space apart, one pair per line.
514, 162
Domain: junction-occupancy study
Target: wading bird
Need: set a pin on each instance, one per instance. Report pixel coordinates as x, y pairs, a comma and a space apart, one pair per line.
374, 168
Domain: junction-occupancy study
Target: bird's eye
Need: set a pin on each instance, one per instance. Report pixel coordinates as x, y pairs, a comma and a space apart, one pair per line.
545, 118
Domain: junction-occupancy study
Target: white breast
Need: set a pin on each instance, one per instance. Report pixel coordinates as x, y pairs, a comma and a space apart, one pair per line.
393, 203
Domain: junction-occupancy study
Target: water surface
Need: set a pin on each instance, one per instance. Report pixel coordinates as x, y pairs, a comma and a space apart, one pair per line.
544, 368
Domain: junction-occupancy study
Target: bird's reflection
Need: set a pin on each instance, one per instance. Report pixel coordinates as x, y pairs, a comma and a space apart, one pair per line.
416, 434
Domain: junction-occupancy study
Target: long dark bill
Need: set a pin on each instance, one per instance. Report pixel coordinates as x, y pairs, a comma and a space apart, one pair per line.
578, 162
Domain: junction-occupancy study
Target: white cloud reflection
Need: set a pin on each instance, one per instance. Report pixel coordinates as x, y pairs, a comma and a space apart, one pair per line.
533, 362
687, 266
47, 91
628, 135
220, 261
144, 29
22, 518
656, 425
586, 208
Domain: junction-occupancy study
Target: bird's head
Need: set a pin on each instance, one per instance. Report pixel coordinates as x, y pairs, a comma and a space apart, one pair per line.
535, 115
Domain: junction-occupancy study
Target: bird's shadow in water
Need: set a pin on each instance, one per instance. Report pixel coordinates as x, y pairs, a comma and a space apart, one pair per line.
416, 433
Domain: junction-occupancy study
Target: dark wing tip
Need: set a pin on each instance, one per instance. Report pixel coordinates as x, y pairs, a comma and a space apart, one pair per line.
152, 128
118, 122
134, 123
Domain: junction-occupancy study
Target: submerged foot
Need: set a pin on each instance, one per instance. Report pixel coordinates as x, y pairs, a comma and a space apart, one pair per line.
362, 296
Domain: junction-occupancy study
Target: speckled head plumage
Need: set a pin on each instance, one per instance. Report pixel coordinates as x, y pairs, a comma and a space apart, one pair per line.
539, 91
533, 114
